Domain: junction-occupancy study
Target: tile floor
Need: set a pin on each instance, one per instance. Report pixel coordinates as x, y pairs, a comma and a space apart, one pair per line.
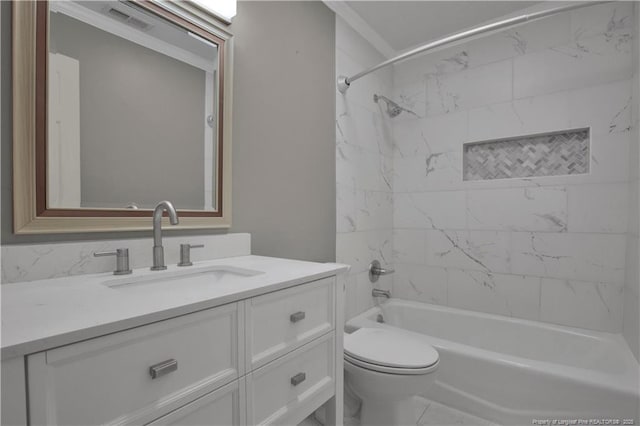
310, 421
432, 413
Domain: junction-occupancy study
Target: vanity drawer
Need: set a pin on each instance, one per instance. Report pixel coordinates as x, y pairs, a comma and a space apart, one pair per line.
285, 391
222, 407
281, 321
109, 379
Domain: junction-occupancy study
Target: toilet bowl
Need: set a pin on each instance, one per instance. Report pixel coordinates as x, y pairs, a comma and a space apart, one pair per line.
386, 369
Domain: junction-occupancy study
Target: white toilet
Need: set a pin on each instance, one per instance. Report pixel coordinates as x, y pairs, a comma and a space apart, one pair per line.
386, 369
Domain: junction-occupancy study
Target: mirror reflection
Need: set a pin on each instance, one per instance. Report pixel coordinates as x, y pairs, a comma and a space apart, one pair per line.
132, 116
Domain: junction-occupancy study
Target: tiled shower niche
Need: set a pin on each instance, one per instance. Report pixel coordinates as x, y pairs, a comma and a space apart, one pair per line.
548, 154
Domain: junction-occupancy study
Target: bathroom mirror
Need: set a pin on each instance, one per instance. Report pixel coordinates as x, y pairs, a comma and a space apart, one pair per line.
119, 105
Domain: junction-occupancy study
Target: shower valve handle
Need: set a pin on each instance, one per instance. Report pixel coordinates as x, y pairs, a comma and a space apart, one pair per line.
375, 270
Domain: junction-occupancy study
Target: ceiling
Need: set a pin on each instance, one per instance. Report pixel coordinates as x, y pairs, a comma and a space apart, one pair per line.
405, 24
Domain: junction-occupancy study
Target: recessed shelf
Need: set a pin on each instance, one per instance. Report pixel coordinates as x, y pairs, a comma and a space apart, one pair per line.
548, 154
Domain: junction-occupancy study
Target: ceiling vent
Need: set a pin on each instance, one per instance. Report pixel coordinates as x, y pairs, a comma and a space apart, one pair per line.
118, 15
128, 19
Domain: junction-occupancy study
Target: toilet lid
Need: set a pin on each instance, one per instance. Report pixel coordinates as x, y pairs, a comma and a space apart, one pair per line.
389, 348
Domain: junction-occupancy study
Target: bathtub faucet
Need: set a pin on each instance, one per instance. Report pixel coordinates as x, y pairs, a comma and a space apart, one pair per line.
376, 292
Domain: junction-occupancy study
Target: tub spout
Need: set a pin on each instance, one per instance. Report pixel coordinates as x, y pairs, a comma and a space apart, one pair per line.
376, 292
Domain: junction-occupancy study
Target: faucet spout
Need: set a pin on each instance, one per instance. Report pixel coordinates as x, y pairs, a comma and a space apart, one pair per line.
376, 292
157, 220
158, 249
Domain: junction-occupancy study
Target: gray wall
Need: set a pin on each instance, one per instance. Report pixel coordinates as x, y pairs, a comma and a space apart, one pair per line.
134, 102
283, 132
284, 128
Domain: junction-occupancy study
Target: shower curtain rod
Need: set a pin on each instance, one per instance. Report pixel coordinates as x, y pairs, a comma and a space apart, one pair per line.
344, 82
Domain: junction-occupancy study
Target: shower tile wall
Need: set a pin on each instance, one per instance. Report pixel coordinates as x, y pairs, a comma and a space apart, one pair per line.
364, 160
631, 315
548, 248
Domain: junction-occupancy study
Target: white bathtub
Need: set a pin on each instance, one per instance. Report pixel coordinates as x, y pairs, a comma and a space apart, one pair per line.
513, 371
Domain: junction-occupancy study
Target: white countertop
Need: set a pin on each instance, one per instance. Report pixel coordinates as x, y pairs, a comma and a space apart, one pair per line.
40, 315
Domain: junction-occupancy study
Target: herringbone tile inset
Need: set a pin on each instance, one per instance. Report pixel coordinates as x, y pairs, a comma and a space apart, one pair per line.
553, 154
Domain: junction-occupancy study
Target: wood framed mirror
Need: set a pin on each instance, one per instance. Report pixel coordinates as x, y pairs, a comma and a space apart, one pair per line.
118, 105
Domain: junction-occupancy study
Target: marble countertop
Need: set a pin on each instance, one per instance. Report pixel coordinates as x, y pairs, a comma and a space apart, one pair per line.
40, 315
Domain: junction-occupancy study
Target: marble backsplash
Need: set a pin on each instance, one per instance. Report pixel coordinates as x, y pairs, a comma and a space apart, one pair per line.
30, 262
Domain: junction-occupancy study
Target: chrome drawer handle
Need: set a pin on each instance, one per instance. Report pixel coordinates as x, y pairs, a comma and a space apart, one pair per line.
298, 378
298, 316
165, 367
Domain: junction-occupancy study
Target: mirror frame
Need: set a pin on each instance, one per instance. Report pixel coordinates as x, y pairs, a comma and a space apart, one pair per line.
30, 45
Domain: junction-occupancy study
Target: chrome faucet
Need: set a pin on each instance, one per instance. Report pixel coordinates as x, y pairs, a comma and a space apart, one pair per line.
158, 250
376, 292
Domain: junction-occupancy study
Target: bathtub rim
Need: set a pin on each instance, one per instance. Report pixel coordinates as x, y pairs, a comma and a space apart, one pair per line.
622, 382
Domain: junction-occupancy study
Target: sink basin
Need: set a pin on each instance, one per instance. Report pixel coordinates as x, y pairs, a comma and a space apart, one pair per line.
193, 275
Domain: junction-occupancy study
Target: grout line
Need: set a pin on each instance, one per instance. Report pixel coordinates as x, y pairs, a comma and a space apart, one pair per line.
504, 184
537, 95
423, 413
513, 78
540, 299
504, 231
466, 209
566, 191
467, 270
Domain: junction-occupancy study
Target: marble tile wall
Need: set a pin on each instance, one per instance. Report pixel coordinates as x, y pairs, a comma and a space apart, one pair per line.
28, 262
543, 248
364, 161
631, 314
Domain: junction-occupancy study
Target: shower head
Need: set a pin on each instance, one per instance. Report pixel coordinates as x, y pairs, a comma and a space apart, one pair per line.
393, 109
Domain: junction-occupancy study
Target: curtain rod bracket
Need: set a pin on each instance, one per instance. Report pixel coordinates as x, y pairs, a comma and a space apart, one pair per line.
343, 84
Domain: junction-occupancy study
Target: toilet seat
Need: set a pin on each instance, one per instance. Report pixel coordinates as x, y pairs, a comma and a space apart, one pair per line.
388, 351
390, 370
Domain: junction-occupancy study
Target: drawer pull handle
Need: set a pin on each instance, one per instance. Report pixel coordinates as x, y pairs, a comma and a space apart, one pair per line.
298, 316
298, 378
165, 367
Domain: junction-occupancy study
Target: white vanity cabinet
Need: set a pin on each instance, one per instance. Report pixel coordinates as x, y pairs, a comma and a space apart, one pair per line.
269, 359
222, 407
290, 352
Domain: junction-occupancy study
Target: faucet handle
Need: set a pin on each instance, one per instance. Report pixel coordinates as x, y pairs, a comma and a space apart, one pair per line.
122, 260
185, 253
375, 270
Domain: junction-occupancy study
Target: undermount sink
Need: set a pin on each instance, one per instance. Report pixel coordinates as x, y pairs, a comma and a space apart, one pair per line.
205, 275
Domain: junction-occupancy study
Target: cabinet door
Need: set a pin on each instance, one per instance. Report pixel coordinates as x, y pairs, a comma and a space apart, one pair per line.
14, 393
223, 407
137, 375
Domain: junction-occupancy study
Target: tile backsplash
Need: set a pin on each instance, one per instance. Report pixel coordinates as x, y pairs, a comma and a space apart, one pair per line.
551, 154
30, 262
